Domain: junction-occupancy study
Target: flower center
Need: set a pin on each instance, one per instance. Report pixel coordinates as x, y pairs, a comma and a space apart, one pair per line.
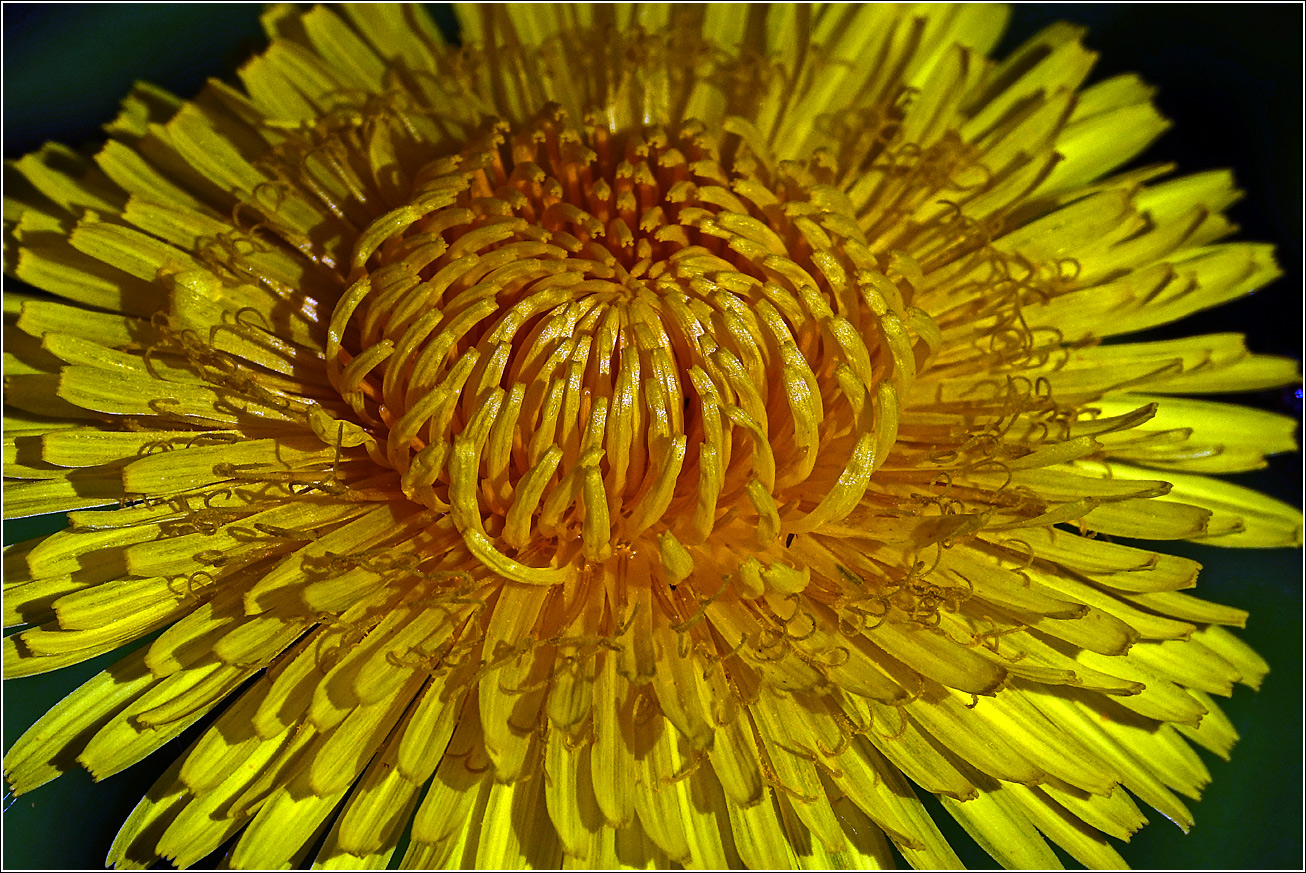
581, 343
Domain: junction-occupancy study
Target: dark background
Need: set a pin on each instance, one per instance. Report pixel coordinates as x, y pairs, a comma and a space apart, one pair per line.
1230, 78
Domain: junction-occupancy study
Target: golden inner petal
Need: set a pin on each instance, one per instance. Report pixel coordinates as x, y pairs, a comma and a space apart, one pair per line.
577, 341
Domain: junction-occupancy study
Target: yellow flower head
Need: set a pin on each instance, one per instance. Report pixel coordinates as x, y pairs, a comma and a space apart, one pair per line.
633, 437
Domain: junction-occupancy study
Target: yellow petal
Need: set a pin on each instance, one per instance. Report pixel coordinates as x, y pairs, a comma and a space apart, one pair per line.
997, 823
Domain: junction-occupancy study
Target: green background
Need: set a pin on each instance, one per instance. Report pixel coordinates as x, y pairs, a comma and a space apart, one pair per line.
1231, 80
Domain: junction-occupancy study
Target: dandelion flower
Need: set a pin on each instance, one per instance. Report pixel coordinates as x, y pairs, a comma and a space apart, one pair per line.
693, 448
